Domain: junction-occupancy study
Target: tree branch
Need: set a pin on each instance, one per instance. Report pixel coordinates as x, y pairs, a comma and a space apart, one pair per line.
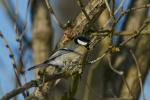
93, 9
34, 83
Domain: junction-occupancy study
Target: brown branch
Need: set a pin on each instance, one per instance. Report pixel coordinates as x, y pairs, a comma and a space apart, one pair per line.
134, 21
139, 74
137, 33
19, 40
120, 73
52, 12
11, 56
127, 86
34, 83
80, 4
130, 10
132, 32
93, 9
112, 68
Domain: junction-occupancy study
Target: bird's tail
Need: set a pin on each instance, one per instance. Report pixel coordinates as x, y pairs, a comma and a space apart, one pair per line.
44, 64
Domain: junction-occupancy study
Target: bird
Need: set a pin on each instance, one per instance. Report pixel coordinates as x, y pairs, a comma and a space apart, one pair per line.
68, 58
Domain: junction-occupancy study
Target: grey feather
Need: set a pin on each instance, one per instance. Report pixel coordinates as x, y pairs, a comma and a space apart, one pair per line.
60, 52
57, 59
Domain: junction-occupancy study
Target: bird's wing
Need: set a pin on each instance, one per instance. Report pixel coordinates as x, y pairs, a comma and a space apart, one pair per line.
45, 63
60, 52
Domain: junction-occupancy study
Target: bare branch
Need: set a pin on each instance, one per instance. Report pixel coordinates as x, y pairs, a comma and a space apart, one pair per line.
93, 9
128, 33
52, 12
34, 83
12, 60
130, 10
137, 33
113, 69
139, 74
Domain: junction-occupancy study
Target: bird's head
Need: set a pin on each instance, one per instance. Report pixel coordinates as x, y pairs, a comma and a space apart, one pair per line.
83, 41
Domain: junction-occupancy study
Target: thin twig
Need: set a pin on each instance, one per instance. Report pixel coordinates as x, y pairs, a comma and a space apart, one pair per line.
112, 68
136, 34
126, 12
120, 73
108, 8
129, 33
80, 4
26, 17
20, 39
12, 60
94, 8
130, 10
121, 4
17, 38
110, 11
21, 50
98, 59
139, 74
8, 6
15, 24
52, 12
127, 85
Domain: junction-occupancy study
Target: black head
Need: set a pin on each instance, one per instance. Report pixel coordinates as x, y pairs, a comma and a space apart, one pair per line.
81, 40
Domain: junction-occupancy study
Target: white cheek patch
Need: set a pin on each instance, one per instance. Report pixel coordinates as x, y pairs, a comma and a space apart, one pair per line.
81, 42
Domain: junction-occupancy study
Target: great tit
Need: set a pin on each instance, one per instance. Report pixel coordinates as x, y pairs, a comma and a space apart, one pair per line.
68, 58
